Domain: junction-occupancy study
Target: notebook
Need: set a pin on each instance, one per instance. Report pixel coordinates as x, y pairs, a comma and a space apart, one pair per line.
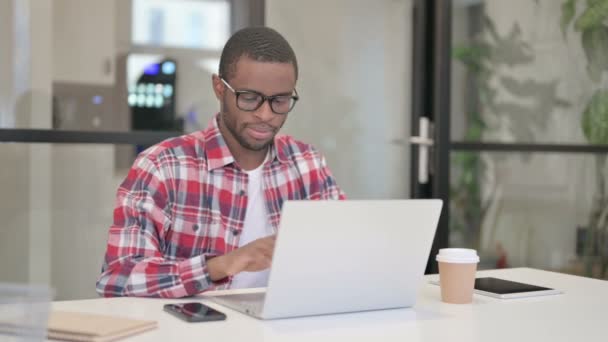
76, 326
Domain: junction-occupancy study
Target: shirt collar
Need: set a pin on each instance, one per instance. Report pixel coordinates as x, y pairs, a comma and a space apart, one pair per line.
218, 154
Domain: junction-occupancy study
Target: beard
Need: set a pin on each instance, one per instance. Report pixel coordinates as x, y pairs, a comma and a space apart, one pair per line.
229, 120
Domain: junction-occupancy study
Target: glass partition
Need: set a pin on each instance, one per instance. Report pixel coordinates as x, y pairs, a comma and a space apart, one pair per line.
530, 73
56, 208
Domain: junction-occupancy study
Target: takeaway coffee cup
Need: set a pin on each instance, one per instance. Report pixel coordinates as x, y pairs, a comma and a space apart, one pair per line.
457, 267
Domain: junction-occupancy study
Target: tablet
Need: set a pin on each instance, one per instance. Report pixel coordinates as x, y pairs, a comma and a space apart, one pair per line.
507, 289
501, 288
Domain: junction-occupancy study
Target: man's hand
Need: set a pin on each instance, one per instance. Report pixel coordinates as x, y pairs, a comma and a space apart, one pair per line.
254, 256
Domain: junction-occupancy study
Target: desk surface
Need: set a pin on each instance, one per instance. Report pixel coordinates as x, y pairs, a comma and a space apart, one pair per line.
580, 313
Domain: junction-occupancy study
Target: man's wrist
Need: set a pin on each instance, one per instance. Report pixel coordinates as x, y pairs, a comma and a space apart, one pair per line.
218, 268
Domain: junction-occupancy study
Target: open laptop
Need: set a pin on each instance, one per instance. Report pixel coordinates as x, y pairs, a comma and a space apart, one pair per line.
344, 256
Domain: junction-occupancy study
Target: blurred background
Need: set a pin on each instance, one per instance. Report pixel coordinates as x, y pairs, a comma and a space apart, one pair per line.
516, 93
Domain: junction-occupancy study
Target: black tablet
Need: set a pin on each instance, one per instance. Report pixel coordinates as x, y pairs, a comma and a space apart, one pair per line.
501, 288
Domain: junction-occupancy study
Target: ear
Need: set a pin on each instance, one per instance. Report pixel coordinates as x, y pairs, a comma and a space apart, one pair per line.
218, 87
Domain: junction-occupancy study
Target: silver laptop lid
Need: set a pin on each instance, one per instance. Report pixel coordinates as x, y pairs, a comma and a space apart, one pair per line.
344, 256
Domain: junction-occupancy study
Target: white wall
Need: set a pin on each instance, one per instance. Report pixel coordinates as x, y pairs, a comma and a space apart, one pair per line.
354, 58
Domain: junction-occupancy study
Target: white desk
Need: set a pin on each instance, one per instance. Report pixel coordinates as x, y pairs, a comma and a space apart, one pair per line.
580, 314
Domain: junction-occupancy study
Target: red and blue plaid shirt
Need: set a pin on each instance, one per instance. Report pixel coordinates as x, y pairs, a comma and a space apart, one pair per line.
183, 202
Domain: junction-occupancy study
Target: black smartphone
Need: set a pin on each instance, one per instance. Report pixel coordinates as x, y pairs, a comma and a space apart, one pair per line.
194, 312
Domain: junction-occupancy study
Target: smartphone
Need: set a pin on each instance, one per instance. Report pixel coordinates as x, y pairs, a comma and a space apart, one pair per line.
501, 288
194, 312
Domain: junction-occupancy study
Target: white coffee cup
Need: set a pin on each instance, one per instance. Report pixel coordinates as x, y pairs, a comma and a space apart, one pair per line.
457, 267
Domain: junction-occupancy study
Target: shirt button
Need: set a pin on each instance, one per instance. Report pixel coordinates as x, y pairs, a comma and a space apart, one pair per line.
236, 232
242, 193
195, 227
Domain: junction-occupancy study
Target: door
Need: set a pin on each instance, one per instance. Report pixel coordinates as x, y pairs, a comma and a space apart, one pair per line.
509, 119
430, 122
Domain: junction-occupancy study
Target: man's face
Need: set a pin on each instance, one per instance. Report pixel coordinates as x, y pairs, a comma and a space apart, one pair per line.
255, 130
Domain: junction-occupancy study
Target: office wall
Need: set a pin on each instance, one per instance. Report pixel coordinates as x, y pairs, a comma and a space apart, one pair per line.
354, 58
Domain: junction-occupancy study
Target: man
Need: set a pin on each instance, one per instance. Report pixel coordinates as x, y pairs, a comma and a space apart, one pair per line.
201, 211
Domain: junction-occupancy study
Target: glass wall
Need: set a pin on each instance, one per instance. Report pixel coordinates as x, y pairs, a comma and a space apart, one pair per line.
58, 198
531, 210
149, 68
56, 207
191, 24
530, 72
522, 72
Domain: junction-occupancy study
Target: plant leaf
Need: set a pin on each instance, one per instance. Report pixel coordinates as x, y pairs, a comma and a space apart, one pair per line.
568, 11
595, 44
595, 118
593, 16
471, 56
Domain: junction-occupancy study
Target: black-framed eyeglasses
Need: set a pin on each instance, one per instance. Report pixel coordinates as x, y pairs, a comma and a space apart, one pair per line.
249, 100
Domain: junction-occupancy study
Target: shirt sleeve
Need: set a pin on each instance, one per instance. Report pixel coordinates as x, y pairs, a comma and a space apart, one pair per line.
134, 263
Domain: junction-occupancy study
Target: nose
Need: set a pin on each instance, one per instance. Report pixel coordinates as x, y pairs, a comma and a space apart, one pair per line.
265, 113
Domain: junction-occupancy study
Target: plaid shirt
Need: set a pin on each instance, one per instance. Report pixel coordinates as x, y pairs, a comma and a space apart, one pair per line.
183, 202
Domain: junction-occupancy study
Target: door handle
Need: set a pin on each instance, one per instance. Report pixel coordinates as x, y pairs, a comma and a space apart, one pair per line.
425, 143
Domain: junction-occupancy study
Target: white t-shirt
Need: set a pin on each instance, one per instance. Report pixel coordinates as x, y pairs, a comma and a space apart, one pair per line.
256, 226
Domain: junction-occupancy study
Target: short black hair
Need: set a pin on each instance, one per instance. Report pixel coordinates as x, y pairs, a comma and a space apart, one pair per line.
258, 43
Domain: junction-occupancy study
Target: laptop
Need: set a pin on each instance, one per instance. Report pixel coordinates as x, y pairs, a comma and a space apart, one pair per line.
344, 256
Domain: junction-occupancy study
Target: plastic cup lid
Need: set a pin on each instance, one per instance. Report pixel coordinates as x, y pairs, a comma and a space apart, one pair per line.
457, 255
